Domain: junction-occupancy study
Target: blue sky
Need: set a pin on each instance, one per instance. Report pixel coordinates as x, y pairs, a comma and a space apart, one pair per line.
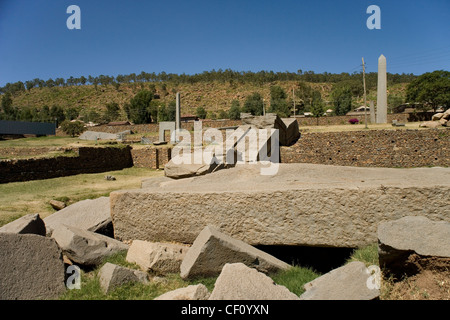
192, 36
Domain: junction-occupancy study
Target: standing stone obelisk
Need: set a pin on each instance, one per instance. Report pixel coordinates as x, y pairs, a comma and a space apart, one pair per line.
382, 91
178, 113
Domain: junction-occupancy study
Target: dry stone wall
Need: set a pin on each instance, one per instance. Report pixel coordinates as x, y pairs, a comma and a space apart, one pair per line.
380, 148
88, 160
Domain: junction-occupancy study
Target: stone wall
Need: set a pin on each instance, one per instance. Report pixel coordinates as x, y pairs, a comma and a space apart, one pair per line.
376, 148
341, 120
151, 157
189, 125
88, 160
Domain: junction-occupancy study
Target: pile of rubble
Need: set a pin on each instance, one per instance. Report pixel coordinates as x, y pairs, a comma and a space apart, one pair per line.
35, 253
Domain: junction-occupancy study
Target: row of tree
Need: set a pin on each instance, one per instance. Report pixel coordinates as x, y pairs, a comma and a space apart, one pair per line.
432, 90
230, 76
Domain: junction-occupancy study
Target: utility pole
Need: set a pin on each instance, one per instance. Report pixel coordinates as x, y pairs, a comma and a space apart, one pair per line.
264, 109
293, 98
364, 83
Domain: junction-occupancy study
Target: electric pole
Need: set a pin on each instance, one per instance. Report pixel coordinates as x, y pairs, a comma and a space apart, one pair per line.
364, 83
293, 98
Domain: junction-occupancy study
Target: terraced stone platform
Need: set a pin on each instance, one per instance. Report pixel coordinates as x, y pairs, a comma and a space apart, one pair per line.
303, 204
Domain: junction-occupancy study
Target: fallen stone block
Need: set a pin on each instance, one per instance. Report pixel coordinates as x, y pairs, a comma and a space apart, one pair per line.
302, 204
430, 124
399, 239
437, 116
85, 247
29, 224
94, 135
239, 282
31, 267
349, 282
288, 128
112, 276
157, 258
193, 292
57, 205
92, 215
213, 249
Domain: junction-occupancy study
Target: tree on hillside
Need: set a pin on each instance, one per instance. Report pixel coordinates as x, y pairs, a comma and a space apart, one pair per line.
342, 100
7, 108
138, 110
431, 89
278, 103
72, 128
57, 113
235, 110
254, 104
112, 112
201, 113
317, 106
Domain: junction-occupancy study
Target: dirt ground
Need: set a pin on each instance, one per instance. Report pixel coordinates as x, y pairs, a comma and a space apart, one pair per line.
432, 282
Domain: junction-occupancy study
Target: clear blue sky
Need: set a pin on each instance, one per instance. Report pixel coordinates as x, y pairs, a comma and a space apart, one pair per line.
192, 36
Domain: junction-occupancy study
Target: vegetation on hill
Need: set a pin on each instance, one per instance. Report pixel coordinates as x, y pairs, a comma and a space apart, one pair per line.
220, 93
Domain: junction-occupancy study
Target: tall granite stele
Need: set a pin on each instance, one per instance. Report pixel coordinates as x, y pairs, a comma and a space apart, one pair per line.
382, 91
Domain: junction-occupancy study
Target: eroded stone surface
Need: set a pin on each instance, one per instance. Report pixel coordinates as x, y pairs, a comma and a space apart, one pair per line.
303, 204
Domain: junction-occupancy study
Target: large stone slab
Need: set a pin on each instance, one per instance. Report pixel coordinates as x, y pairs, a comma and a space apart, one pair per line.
85, 247
399, 239
303, 204
192, 292
112, 276
239, 282
288, 128
31, 267
94, 135
158, 258
28, 224
348, 282
213, 249
92, 215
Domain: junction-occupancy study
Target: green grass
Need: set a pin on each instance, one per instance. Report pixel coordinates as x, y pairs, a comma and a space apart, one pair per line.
295, 278
21, 198
91, 290
367, 254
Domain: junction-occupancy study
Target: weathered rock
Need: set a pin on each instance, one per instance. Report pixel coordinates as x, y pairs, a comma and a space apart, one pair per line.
94, 135
430, 124
446, 115
31, 223
348, 282
239, 282
85, 247
398, 239
92, 215
193, 292
212, 249
112, 276
437, 116
176, 170
288, 128
57, 205
31, 267
443, 122
303, 204
158, 258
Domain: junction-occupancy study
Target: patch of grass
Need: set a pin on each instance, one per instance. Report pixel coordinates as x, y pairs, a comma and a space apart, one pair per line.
368, 255
295, 278
91, 289
20, 198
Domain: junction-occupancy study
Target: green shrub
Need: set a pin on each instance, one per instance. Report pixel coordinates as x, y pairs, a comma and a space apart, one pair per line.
72, 128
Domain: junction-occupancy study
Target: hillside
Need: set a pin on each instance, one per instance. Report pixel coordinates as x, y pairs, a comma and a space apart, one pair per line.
213, 95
